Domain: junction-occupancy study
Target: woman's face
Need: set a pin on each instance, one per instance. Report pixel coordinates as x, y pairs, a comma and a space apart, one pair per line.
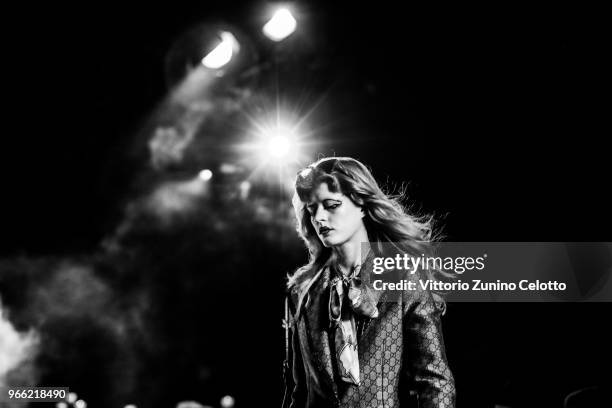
335, 218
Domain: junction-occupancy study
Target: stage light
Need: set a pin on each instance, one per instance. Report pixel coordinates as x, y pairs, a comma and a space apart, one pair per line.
280, 26
244, 188
205, 175
229, 168
207, 52
222, 54
80, 404
278, 144
72, 397
191, 404
227, 402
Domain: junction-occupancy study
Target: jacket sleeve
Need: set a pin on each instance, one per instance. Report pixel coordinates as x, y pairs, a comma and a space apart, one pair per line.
427, 372
294, 375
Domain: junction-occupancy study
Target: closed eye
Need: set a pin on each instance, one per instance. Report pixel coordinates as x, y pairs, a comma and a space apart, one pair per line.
329, 203
333, 206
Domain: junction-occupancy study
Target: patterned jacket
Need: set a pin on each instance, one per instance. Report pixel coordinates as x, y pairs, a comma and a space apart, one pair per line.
401, 354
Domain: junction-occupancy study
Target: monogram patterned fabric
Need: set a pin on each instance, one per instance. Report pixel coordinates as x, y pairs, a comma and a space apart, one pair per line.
401, 355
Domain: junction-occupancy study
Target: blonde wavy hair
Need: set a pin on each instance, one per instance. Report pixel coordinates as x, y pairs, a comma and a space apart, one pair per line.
386, 220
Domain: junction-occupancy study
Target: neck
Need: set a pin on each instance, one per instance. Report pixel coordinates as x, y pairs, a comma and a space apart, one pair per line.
349, 254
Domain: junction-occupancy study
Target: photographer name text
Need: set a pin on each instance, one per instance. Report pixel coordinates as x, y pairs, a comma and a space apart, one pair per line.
473, 285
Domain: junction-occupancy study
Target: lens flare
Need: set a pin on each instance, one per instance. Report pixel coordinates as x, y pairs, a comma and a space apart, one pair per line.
279, 146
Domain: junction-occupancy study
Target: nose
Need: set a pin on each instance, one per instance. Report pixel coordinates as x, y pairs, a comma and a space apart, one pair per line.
320, 215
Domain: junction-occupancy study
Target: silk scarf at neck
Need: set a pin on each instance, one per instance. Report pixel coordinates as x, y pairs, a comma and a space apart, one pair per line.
348, 297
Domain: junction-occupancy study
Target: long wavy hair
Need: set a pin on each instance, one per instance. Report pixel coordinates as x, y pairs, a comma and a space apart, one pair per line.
386, 220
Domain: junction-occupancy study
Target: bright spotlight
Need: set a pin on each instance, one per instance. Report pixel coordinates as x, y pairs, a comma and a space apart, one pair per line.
279, 146
205, 175
277, 143
222, 53
280, 26
227, 402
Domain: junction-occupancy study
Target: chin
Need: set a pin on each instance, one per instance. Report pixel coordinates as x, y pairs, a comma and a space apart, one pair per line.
328, 242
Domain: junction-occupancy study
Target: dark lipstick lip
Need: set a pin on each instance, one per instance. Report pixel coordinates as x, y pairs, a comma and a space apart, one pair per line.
323, 230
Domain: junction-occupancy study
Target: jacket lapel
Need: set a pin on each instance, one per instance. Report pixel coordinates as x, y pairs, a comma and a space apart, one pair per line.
316, 318
314, 308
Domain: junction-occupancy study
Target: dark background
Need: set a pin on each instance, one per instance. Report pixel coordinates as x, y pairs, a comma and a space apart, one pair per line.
495, 116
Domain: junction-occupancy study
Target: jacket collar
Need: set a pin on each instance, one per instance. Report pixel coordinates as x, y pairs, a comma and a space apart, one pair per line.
320, 280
